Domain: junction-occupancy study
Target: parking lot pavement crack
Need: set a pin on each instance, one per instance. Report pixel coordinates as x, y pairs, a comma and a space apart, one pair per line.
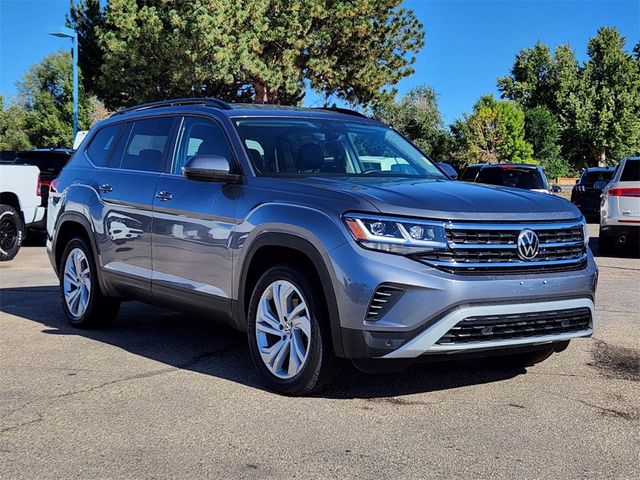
605, 411
190, 363
23, 424
604, 267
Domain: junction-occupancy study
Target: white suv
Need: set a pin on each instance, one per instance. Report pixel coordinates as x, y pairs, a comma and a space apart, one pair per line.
620, 208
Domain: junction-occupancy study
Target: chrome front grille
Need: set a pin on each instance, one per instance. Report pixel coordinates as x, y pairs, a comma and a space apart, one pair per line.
492, 248
520, 325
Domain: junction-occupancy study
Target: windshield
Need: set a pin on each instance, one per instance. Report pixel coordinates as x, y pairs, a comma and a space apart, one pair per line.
507, 176
318, 147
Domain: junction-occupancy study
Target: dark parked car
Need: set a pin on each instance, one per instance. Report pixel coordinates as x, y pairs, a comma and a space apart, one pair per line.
588, 189
50, 162
515, 175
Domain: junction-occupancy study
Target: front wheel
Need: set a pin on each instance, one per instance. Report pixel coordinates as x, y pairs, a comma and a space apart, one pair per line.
11, 232
288, 332
82, 301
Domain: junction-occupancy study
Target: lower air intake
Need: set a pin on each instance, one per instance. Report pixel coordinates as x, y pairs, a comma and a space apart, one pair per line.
488, 328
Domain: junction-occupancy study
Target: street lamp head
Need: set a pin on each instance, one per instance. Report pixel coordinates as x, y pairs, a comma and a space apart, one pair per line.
64, 32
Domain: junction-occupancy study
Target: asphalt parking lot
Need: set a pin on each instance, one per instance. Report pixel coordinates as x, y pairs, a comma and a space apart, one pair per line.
164, 395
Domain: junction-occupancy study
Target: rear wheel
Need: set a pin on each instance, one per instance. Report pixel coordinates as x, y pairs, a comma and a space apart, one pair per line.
11, 232
288, 332
82, 301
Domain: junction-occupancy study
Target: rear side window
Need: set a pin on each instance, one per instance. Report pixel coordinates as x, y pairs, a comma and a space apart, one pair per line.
146, 145
631, 172
102, 143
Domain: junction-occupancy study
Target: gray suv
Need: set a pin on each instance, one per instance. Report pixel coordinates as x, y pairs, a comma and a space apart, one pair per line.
321, 233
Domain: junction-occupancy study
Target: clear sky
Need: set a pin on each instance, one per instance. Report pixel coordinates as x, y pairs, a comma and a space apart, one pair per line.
468, 43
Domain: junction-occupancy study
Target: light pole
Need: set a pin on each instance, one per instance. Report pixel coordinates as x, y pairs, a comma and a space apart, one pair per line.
64, 32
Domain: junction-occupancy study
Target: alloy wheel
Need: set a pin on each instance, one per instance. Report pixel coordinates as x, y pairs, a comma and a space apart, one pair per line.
77, 282
283, 329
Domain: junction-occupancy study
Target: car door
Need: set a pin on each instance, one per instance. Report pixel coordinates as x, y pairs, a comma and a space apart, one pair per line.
193, 223
127, 188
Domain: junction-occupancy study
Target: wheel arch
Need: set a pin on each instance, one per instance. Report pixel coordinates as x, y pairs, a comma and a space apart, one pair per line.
270, 248
10, 199
72, 225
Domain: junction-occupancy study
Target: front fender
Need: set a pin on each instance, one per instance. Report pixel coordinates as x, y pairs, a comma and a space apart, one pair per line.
314, 234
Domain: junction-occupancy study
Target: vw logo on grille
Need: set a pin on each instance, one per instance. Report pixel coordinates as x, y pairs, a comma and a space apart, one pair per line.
528, 245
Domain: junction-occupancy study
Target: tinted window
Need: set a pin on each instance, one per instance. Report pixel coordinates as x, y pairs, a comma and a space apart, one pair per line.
469, 174
103, 141
199, 136
49, 163
146, 145
321, 147
527, 178
593, 176
631, 172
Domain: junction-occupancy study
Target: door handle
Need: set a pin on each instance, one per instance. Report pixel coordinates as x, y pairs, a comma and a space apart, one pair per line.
105, 188
164, 196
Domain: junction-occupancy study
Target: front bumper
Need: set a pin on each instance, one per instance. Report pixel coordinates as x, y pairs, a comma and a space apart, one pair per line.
426, 342
433, 301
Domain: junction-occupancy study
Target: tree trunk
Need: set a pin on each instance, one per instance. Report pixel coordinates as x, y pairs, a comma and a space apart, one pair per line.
599, 157
263, 94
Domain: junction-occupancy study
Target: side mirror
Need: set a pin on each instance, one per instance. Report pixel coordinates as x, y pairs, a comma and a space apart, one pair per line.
556, 188
577, 181
210, 168
449, 170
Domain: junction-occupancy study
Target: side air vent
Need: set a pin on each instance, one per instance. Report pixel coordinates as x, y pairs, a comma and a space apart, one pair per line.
383, 299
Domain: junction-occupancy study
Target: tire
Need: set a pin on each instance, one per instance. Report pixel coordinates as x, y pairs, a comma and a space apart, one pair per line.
312, 367
605, 244
11, 232
89, 308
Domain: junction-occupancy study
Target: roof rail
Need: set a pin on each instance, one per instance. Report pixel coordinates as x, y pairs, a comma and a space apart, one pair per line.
346, 111
209, 102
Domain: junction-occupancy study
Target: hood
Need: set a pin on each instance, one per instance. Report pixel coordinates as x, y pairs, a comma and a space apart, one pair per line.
451, 200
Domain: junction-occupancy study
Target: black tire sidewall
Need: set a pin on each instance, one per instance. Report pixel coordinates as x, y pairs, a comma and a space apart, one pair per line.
88, 318
314, 371
6, 210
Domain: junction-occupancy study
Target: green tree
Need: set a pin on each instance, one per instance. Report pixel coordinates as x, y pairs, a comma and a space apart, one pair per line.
603, 112
267, 51
493, 133
13, 135
87, 17
596, 104
543, 133
46, 94
416, 115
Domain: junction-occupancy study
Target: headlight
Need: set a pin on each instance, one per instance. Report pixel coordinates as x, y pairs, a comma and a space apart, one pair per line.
396, 235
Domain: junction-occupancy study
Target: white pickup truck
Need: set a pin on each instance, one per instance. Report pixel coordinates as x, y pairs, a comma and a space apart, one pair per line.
20, 206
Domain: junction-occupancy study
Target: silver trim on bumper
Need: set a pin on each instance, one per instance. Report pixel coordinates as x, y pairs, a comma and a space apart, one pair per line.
425, 342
